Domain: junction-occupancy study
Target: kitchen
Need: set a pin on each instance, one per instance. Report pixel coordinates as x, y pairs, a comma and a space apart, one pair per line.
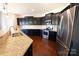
47, 30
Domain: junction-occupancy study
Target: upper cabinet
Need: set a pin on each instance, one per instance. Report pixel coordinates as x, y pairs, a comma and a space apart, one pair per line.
51, 19
54, 20
48, 16
29, 21
48, 19
37, 20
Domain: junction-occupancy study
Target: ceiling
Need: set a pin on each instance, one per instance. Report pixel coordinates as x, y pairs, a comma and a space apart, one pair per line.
34, 9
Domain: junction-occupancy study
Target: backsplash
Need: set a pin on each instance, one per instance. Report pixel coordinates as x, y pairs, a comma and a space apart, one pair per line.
38, 27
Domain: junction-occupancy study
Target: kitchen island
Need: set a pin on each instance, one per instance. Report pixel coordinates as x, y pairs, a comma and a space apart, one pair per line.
16, 46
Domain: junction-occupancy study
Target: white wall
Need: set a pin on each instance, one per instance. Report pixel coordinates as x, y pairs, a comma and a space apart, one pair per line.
7, 21
0, 20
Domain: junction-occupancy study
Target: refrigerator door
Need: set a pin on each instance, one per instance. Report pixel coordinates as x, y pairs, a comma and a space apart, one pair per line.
64, 31
62, 34
74, 48
63, 28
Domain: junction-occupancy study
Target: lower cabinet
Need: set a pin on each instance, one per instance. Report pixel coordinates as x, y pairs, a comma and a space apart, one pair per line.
35, 32
29, 51
52, 35
38, 32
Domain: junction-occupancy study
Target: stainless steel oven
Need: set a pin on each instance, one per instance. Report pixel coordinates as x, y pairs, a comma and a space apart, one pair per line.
45, 34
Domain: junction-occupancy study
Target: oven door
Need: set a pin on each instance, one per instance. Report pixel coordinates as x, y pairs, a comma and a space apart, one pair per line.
45, 34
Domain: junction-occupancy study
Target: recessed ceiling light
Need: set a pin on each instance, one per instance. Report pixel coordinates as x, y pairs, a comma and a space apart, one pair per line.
45, 3
33, 10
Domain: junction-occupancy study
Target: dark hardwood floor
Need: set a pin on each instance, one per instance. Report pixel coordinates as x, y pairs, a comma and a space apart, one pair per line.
43, 47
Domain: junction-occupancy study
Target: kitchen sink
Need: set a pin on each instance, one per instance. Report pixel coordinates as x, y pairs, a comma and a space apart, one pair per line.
17, 34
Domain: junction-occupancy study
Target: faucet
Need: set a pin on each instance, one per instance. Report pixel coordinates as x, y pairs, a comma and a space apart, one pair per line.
10, 29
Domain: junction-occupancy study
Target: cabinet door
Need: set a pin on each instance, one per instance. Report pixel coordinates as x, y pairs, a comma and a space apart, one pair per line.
48, 16
26, 21
43, 21
35, 21
55, 20
30, 22
52, 35
21, 21
17, 21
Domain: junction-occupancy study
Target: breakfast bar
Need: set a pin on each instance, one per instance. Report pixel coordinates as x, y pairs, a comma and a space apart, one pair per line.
16, 46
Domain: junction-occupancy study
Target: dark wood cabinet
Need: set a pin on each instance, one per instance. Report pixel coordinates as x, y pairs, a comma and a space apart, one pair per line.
29, 21
18, 21
29, 52
35, 32
49, 16
37, 21
52, 35
38, 32
55, 19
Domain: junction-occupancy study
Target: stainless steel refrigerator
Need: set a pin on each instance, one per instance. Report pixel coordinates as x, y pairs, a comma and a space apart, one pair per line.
68, 32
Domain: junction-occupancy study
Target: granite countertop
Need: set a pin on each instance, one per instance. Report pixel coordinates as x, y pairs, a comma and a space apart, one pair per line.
2, 33
16, 46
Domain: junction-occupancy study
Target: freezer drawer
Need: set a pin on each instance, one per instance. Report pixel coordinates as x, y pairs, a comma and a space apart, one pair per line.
62, 50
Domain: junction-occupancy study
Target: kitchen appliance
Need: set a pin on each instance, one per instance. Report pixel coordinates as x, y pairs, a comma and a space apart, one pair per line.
68, 31
45, 34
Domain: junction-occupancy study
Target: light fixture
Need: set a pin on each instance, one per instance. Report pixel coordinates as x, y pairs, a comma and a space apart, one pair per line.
5, 8
33, 10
